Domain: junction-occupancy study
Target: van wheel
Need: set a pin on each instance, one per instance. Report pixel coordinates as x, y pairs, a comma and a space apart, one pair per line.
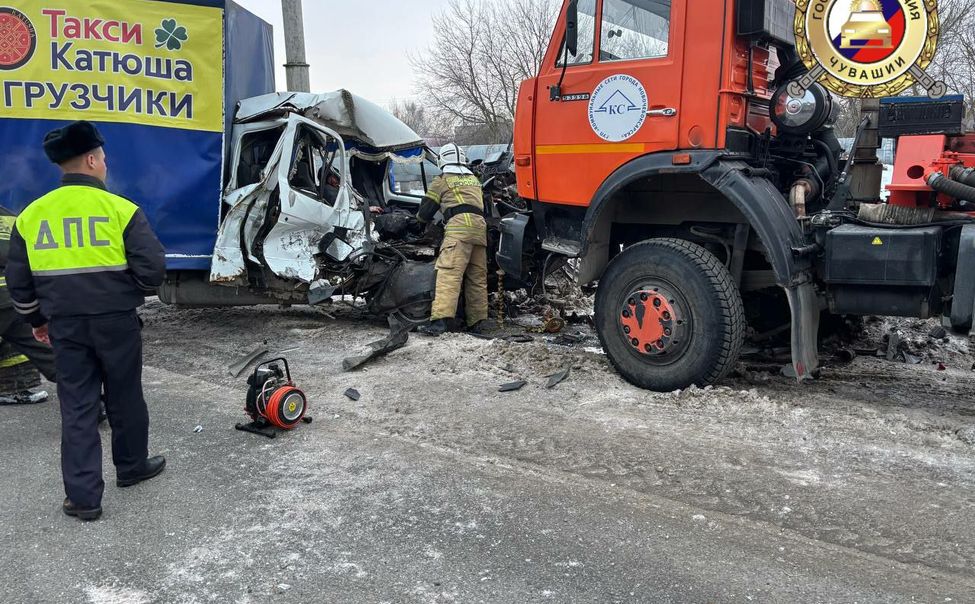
669, 315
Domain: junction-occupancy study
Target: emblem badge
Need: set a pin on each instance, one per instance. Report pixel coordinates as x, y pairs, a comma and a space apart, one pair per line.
867, 48
18, 39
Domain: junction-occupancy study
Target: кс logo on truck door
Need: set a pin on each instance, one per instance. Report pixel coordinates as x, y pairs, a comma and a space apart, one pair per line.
618, 108
18, 39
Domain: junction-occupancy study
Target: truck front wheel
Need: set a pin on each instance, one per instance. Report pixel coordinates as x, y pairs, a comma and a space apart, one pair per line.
669, 315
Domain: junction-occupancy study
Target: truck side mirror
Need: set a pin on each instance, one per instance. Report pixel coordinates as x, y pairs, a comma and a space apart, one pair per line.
571, 28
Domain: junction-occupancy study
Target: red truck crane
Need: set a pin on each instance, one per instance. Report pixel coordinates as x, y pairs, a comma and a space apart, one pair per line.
660, 147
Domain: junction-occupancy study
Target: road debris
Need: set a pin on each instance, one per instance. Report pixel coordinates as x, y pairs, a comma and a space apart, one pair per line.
197, 429
244, 362
911, 359
893, 345
353, 394
399, 335
513, 386
557, 378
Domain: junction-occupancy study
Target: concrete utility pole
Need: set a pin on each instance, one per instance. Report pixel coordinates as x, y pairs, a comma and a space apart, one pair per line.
294, 41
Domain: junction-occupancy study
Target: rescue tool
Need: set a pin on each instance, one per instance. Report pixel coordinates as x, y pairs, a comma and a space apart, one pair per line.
274, 403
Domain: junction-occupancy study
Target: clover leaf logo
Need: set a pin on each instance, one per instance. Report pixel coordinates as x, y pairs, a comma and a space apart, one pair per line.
171, 35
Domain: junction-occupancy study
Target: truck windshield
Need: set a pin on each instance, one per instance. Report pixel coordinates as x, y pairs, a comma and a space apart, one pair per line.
635, 29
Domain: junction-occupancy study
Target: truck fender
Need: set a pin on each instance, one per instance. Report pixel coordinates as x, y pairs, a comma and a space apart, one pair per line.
766, 211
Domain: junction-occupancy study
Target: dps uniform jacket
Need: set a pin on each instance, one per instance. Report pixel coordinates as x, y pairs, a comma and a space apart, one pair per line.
79, 251
7, 219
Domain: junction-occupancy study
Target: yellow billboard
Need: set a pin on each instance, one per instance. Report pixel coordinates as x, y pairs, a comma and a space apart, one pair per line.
133, 61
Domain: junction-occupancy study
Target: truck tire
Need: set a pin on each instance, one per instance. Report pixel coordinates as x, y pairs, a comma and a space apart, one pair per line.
669, 315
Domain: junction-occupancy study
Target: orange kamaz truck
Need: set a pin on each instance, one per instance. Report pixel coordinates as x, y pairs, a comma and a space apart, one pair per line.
659, 146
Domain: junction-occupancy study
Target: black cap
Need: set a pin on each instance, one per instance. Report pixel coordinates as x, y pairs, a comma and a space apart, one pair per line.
71, 141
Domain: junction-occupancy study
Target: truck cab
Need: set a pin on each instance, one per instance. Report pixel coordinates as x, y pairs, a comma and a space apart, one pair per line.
661, 148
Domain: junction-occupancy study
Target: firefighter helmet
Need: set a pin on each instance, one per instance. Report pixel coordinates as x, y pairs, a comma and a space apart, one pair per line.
452, 155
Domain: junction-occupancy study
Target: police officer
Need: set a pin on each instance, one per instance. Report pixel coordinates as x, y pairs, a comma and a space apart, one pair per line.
13, 330
80, 261
458, 196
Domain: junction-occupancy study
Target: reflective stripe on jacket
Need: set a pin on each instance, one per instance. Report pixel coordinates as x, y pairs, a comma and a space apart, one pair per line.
81, 250
7, 219
453, 190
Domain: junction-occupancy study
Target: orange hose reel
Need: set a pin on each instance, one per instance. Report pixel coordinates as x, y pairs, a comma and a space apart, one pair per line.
273, 400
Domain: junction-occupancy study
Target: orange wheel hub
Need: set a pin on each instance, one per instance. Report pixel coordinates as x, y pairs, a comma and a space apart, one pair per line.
648, 321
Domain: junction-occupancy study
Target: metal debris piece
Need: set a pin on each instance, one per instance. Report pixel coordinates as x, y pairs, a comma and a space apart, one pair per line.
321, 292
243, 362
938, 332
198, 429
399, 335
353, 394
893, 345
558, 378
910, 359
513, 386
521, 338
568, 339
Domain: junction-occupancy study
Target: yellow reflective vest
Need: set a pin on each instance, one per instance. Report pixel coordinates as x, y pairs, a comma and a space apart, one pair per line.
80, 250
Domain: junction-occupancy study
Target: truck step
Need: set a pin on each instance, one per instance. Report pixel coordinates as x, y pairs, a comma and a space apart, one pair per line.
566, 247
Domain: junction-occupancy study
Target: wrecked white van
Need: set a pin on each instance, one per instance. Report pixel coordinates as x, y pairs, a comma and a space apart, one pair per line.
310, 210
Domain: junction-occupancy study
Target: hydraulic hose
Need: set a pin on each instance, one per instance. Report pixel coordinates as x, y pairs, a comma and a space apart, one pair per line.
952, 188
963, 175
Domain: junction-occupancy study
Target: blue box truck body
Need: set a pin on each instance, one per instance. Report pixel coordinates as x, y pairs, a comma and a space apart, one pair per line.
151, 76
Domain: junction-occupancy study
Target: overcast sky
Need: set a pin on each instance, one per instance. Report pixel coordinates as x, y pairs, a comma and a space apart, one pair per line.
362, 46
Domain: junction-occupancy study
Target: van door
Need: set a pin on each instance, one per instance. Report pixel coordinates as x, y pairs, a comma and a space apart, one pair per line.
280, 222
620, 97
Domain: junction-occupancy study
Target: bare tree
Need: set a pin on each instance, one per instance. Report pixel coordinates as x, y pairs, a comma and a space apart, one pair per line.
954, 63
483, 50
415, 114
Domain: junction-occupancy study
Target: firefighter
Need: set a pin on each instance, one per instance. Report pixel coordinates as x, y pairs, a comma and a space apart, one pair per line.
13, 330
458, 196
80, 262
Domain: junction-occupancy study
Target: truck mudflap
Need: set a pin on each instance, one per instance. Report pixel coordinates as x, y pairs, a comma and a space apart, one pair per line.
769, 214
963, 297
512, 246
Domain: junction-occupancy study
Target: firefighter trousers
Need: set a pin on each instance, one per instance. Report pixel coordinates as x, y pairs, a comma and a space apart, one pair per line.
461, 263
92, 352
19, 335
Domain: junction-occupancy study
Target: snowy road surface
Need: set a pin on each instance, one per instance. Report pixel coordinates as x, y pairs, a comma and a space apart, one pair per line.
434, 487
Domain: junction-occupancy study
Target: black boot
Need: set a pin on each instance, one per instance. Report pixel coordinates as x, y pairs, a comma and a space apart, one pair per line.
481, 327
434, 328
151, 468
70, 509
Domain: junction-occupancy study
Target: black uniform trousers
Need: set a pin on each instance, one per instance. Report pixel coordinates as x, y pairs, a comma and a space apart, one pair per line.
92, 352
19, 335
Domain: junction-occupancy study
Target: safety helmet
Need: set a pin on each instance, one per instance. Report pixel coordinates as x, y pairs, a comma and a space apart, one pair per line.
452, 155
